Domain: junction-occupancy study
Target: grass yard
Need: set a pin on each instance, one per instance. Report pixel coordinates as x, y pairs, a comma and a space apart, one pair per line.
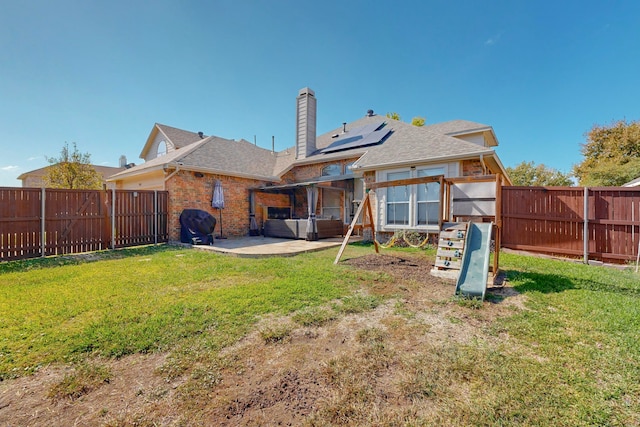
146, 300
299, 340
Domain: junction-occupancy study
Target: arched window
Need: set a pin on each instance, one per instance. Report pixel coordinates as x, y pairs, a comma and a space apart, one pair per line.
332, 170
162, 148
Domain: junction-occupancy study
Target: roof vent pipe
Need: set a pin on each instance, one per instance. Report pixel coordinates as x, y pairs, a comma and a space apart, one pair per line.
273, 144
344, 127
201, 135
369, 113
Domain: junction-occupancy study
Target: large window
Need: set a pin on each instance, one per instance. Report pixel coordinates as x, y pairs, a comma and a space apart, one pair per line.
428, 197
413, 206
398, 200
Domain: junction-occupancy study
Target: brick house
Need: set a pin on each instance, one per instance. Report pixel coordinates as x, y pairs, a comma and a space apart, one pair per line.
338, 165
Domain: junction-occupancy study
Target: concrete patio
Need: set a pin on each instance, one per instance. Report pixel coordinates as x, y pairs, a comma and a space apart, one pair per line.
260, 247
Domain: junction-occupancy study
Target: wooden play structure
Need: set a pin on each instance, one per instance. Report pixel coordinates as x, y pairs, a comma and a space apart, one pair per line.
465, 203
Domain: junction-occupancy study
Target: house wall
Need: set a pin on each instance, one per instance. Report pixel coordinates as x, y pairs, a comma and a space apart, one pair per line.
476, 138
153, 148
188, 191
149, 181
34, 181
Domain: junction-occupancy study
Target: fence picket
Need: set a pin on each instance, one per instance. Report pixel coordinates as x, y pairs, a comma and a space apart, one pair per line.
77, 221
551, 220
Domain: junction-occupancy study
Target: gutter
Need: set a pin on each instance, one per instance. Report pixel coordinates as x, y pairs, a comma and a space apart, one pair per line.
466, 156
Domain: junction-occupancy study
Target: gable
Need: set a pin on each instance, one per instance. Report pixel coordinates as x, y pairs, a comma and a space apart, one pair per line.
164, 139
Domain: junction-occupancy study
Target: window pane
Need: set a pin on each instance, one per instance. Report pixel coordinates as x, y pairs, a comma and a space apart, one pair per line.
400, 193
428, 213
331, 170
430, 172
398, 213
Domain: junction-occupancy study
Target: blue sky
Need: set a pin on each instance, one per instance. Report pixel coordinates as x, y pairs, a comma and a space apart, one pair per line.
100, 74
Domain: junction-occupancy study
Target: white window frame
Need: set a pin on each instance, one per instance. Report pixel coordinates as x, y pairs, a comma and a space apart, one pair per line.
382, 176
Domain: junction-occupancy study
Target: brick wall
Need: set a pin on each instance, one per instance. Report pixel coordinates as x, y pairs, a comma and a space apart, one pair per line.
472, 168
187, 191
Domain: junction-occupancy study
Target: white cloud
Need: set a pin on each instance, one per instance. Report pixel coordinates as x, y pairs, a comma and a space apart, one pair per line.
34, 158
9, 168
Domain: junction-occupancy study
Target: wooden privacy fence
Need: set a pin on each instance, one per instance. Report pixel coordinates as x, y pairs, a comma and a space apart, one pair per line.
557, 219
44, 221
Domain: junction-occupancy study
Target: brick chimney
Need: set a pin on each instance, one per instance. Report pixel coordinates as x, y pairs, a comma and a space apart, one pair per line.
305, 123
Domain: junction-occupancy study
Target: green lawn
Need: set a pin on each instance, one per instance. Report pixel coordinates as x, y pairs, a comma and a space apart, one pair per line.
144, 300
570, 356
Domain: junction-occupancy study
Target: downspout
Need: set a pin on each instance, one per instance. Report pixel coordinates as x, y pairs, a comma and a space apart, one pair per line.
166, 178
484, 166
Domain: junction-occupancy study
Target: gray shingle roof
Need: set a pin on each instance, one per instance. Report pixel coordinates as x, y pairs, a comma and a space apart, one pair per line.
234, 157
408, 143
216, 155
405, 144
180, 138
455, 127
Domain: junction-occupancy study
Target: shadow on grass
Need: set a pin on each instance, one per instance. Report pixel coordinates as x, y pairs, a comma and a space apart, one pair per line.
74, 259
550, 283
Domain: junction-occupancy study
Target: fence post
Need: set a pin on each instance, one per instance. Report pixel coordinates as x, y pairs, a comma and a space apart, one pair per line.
585, 233
43, 237
113, 218
155, 216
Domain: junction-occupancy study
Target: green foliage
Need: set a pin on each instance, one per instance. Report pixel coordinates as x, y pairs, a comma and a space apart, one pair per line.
611, 155
530, 174
418, 121
394, 116
72, 170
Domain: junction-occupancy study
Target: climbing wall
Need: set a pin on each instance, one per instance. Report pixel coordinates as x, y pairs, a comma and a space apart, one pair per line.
450, 249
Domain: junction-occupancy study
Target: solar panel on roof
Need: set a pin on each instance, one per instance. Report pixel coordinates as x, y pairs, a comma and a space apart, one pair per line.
358, 137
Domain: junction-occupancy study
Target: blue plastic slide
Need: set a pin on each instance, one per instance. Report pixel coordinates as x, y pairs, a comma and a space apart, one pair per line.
474, 270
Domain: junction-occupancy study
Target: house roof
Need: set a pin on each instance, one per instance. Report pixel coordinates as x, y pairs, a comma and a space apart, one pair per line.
179, 138
632, 183
214, 155
404, 144
414, 144
105, 171
464, 127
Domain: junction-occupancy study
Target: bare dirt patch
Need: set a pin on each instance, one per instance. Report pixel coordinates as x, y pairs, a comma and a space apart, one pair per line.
359, 368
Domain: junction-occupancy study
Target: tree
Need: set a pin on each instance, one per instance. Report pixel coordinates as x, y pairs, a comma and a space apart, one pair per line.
611, 155
528, 174
418, 121
72, 170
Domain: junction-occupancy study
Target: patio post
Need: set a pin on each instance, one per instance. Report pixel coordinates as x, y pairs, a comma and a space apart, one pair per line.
312, 202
